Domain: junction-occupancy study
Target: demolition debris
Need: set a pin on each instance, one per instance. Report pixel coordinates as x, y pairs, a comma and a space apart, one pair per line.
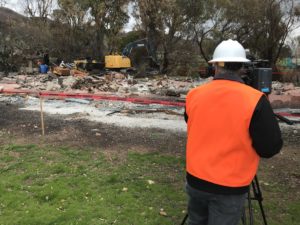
112, 82
121, 84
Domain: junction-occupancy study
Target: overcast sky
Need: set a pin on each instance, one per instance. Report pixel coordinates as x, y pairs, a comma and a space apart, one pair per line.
14, 5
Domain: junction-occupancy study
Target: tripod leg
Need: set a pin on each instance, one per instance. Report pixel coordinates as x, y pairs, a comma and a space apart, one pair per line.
259, 198
184, 219
263, 213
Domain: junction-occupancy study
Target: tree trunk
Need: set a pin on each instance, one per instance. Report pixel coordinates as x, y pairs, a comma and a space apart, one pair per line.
165, 62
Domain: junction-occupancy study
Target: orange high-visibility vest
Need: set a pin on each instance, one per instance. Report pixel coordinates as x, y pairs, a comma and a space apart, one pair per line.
219, 146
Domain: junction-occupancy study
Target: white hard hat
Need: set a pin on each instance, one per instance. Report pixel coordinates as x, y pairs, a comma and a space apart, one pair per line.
229, 51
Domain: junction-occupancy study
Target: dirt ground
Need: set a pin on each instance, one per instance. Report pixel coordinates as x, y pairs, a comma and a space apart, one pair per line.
23, 127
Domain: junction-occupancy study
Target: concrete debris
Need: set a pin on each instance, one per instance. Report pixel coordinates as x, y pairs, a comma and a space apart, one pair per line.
128, 114
115, 75
285, 95
285, 88
52, 86
72, 80
114, 82
68, 81
81, 101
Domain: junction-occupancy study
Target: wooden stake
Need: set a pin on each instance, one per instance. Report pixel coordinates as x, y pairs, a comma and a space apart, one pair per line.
42, 116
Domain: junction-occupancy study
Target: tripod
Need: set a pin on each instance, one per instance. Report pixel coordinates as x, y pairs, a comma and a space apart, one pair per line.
257, 195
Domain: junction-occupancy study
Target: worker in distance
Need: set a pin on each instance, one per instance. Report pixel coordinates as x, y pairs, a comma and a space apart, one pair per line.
230, 125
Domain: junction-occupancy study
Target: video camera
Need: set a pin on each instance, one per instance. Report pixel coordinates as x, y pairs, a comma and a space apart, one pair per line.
258, 74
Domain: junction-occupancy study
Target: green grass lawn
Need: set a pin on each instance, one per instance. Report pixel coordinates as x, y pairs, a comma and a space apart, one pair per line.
67, 186
40, 185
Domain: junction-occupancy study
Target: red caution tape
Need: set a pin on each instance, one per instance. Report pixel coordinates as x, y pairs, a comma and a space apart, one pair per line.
289, 114
94, 97
146, 101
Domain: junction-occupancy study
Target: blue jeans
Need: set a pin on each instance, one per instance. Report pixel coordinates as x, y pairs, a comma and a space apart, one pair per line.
214, 209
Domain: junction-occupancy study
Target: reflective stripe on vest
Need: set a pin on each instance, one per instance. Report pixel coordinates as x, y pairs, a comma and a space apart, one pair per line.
219, 146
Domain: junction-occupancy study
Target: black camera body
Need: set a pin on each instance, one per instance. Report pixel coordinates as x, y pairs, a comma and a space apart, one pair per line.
258, 75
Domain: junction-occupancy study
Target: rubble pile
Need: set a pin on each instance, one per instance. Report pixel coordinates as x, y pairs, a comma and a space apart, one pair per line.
283, 94
285, 89
113, 82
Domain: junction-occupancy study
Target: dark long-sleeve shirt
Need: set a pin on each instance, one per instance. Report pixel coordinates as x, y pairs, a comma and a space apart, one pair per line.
265, 134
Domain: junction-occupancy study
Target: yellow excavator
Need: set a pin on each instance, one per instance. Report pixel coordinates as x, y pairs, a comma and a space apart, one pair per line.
135, 55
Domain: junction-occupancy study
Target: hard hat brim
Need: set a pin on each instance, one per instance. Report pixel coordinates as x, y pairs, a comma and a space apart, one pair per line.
229, 59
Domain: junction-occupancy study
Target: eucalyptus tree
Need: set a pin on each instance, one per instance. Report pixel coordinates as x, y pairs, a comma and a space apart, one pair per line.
115, 19
38, 8
173, 21
261, 26
71, 30
162, 23
205, 24
149, 13
109, 17
277, 19
71, 12
92, 25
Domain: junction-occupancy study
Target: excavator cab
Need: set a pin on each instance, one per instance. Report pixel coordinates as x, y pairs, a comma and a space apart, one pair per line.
141, 54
